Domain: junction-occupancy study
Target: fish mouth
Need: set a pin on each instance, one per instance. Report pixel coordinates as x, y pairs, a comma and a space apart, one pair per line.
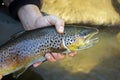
91, 40
88, 41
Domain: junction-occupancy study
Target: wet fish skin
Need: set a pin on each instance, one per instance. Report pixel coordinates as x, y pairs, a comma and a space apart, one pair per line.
31, 46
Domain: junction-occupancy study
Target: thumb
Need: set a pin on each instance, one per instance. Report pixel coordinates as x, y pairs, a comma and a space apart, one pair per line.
50, 20
59, 23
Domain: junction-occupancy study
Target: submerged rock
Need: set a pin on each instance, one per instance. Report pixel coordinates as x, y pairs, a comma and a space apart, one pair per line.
94, 12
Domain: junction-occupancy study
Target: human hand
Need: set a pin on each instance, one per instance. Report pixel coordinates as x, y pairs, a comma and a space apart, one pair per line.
52, 57
49, 20
31, 18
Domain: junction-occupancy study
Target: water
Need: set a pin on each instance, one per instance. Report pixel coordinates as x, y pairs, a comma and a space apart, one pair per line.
100, 62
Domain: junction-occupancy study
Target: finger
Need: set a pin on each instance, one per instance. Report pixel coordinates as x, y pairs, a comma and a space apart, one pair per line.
49, 57
0, 77
59, 25
58, 56
50, 20
37, 64
72, 54
54, 20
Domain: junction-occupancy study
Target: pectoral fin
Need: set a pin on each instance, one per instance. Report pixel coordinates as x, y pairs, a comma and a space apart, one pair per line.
22, 70
19, 72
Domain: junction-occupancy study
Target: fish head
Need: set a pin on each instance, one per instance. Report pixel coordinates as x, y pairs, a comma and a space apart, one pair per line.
80, 38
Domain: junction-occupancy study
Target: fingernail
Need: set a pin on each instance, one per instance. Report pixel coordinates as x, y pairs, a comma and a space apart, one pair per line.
71, 55
61, 29
48, 56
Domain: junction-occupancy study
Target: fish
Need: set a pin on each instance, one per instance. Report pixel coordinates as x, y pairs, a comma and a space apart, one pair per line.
30, 47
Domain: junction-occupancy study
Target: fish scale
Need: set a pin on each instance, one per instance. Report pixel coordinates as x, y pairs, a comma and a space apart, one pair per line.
27, 49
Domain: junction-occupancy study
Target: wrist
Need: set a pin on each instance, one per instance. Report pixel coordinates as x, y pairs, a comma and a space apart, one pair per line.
15, 5
28, 15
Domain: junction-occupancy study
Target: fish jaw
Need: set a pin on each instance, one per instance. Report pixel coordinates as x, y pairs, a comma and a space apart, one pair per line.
73, 47
90, 40
82, 42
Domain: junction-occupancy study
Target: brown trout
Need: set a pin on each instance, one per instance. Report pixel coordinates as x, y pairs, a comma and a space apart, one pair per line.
30, 47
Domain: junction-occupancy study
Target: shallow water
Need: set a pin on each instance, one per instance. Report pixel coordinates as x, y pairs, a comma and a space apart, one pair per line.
100, 62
